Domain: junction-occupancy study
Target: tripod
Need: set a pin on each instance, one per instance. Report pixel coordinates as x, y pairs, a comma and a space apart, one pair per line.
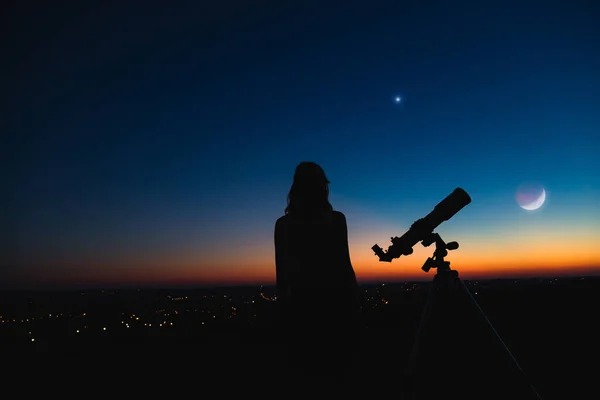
445, 288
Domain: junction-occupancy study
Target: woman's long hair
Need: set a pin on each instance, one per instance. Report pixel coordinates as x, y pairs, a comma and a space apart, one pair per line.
309, 194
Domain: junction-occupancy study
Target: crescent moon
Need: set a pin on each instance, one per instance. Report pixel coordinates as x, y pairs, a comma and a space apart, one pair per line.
537, 203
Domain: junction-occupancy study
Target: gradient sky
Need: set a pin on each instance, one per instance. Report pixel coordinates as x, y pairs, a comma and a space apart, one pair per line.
154, 144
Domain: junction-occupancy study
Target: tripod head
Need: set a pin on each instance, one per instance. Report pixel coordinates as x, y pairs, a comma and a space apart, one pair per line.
441, 251
444, 275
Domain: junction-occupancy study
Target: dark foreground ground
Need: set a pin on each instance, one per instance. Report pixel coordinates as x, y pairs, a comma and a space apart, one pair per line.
551, 329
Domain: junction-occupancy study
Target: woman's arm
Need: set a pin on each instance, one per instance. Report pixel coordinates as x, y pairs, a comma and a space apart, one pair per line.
279, 259
351, 275
344, 250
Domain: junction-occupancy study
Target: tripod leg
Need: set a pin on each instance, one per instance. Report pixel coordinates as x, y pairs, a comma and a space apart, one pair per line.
410, 369
500, 339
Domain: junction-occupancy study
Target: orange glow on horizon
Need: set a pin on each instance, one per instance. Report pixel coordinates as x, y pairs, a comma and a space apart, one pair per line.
398, 270
524, 251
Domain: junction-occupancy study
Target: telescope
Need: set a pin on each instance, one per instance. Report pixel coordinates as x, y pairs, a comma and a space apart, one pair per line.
422, 229
443, 290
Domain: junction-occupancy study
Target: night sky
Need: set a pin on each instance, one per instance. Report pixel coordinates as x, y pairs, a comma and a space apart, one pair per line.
155, 142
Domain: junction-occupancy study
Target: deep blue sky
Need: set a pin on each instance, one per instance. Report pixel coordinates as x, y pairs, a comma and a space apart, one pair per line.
155, 141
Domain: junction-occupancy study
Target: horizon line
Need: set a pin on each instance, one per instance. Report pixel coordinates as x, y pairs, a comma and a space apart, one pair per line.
166, 286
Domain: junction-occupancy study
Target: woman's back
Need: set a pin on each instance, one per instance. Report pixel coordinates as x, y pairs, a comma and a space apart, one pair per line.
315, 250
315, 274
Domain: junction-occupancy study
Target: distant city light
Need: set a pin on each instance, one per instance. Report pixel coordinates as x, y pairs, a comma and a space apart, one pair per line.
201, 312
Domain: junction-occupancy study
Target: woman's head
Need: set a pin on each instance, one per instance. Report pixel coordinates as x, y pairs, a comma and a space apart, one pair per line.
310, 191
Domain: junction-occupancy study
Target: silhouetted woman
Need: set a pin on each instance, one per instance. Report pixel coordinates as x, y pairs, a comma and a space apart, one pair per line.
316, 286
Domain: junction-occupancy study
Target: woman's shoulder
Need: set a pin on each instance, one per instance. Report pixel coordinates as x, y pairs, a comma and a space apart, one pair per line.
281, 221
339, 216
335, 216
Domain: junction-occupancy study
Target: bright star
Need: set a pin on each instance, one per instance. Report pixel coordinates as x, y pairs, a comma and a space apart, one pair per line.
397, 99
